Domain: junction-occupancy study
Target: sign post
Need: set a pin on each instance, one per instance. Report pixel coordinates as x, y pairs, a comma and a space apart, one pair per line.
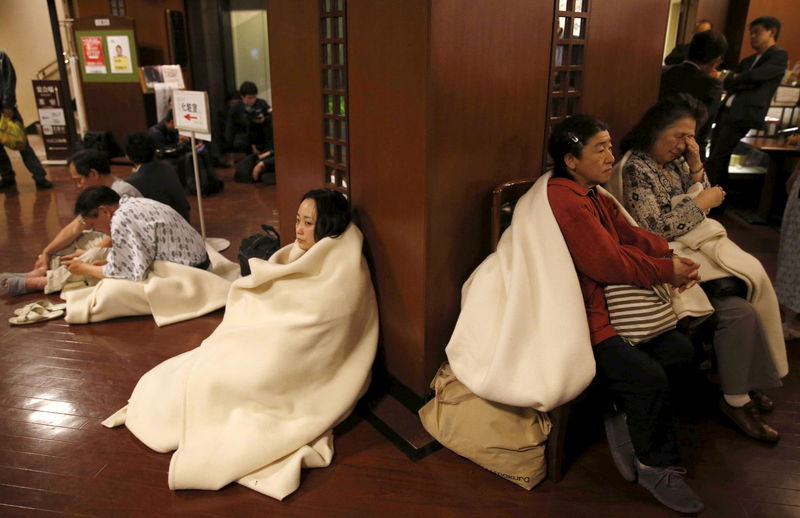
190, 110
50, 103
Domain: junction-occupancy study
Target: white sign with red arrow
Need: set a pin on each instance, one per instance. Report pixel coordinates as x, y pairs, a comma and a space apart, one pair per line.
190, 110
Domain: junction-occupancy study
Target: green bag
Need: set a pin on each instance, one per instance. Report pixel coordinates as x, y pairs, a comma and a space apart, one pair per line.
12, 135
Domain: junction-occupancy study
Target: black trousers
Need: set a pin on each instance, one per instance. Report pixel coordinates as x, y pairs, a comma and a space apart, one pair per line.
723, 141
637, 380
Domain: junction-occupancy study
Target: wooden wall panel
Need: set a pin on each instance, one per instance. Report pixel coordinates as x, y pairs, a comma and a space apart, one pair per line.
387, 49
788, 12
623, 67
106, 101
714, 10
490, 64
294, 52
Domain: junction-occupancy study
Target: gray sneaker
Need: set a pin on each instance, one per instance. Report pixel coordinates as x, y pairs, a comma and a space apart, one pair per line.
669, 488
619, 440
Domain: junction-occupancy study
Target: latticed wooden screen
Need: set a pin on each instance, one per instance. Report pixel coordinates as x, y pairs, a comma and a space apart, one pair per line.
333, 39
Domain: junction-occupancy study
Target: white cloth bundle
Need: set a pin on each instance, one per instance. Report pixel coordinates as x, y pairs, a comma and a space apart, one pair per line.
171, 293
257, 400
522, 337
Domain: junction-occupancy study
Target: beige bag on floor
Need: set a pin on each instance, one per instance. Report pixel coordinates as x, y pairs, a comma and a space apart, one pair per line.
508, 441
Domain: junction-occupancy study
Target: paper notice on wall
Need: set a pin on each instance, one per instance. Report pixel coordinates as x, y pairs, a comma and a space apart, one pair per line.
93, 56
50, 117
120, 50
172, 74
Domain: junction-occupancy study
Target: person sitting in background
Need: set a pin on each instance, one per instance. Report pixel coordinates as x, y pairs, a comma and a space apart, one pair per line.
87, 167
142, 230
663, 166
249, 121
681, 50
155, 180
167, 139
693, 77
288, 362
605, 250
256, 167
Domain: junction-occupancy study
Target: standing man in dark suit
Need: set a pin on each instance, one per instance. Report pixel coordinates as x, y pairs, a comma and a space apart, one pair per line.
693, 77
750, 87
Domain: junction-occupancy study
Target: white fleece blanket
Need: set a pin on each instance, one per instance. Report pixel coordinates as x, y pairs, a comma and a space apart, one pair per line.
522, 336
257, 400
170, 292
709, 245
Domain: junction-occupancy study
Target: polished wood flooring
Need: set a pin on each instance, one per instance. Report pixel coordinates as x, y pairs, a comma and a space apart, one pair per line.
57, 382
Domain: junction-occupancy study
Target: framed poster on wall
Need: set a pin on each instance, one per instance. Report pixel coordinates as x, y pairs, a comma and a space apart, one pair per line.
108, 55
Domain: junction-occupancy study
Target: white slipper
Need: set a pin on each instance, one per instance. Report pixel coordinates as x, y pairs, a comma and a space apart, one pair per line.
45, 303
35, 314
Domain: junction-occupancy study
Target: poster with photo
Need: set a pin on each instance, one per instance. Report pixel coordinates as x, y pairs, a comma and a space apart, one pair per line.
93, 56
120, 51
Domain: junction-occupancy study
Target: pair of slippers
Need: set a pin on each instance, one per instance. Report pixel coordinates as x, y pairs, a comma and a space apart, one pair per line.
15, 283
38, 311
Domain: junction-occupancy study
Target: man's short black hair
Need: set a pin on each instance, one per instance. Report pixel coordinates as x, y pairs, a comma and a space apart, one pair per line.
707, 46
140, 148
248, 88
169, 116
333, 212
93, 197
569, 137
769, 23
90, 158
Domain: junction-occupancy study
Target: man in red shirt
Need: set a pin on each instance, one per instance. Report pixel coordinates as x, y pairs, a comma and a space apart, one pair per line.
606, 249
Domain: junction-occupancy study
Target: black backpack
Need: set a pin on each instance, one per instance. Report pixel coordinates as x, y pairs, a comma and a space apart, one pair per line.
261, 246
209, 181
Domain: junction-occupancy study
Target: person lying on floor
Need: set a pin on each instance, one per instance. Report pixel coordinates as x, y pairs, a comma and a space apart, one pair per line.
87, 167
258, 399
141, 230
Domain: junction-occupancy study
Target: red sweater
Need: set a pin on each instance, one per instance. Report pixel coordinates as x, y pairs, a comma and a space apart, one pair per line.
605, 249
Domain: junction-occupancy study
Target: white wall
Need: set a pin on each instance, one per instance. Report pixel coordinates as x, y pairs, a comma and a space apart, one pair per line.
26, 36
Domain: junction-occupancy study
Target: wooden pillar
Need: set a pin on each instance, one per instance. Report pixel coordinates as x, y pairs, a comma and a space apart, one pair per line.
446, 100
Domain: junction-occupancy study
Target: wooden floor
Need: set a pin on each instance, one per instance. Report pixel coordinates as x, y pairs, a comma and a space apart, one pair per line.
57, 382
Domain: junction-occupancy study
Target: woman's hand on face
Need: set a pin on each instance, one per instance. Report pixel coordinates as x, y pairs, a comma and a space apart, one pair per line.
710, 198
692, 154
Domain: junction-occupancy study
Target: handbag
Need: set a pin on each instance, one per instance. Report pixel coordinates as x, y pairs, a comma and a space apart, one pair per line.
640, 314
12, 135
260, 246
508, 441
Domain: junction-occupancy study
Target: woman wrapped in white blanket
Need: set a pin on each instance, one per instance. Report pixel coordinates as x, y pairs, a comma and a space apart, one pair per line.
258, 399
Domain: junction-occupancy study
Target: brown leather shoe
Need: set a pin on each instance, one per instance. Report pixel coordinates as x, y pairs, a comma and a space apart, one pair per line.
749, 421
763, 402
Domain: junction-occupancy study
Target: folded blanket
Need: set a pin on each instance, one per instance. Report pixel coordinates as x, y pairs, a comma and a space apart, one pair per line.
709, 245
171, 293
257, 400
522, 336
